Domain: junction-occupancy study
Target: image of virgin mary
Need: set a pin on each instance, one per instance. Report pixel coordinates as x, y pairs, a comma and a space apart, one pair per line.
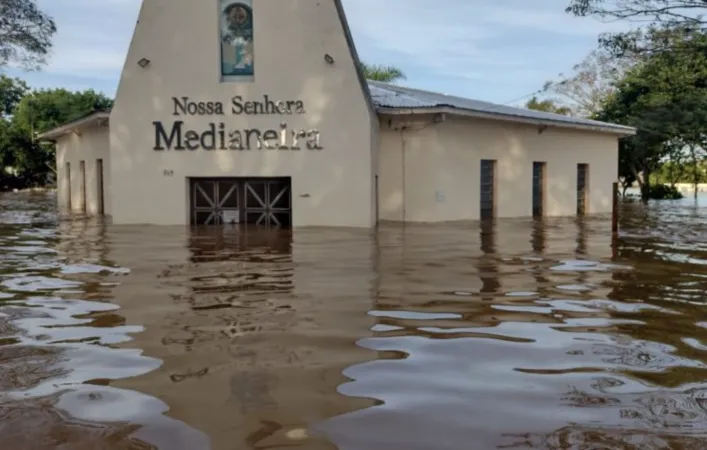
237, 39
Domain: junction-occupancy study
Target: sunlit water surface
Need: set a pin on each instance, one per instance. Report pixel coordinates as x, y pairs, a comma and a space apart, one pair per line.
520, 335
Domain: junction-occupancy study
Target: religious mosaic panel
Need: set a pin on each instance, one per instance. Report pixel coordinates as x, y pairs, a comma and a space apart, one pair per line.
236, 33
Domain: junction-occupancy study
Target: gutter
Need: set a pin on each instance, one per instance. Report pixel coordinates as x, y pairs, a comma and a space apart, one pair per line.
96, 118
619, 130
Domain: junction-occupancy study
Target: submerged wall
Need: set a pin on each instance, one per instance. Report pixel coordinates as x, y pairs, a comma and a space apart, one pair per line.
88, 145
431, 171
223, 88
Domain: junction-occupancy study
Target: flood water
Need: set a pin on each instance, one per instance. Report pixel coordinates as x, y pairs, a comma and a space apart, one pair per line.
520, 335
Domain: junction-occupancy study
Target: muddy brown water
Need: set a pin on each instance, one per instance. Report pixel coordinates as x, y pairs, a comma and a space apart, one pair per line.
522, 334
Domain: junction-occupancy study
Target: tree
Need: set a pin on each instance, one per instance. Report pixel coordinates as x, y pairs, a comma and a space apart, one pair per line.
25, 34
665, 97
36, 112
547, 106
690, 136
674, 168
656, 10
662, 17
16, 151
696, 154
45, 109
385, 74
628, 173
590, 82
651, 113
11, 92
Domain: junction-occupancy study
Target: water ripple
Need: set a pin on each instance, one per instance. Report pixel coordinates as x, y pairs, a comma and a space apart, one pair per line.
548, 334
59, 346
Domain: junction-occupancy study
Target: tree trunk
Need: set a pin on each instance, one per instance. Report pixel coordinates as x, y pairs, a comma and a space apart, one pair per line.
645, 183
695, 170
638, 180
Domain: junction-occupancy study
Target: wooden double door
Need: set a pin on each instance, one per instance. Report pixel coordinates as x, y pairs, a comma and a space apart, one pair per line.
255, 201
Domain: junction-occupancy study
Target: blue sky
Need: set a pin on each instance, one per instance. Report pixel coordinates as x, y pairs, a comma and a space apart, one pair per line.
494, 50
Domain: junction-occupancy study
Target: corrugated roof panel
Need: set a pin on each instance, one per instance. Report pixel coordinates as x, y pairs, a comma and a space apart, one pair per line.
392, 96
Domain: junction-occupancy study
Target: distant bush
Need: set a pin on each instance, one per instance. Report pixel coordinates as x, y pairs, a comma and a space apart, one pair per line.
664, 192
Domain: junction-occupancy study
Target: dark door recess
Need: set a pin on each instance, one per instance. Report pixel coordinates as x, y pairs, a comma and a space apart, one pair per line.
257, 201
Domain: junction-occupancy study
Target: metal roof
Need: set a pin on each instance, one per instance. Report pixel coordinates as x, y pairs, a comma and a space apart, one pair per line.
97, 117
389, 97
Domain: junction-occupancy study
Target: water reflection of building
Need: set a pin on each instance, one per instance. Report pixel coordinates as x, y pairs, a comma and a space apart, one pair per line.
226, 244
84, 257
82, 240
254, 329
427, 267
538, 238
581, 250
250, 265
487, 266
538, 241
581, 237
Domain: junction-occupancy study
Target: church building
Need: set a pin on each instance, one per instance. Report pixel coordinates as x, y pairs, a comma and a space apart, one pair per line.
257, 111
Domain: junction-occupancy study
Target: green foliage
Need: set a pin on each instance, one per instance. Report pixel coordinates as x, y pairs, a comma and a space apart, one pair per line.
45, 109
11, 92
680, 171
663, 192
25, 33
547, 106
664, 95
627, 175
385, 74
24, 162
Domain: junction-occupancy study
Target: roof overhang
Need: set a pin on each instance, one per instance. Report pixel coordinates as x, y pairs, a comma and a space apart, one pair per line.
95, 119
618, 130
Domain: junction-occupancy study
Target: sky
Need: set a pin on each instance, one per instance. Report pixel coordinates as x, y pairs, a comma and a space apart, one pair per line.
495, 50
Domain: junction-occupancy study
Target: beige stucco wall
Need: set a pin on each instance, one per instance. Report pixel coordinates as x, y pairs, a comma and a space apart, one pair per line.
430, 172
332, 186
90, 145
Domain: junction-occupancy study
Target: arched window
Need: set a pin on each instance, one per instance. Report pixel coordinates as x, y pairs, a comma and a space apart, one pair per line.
236, 30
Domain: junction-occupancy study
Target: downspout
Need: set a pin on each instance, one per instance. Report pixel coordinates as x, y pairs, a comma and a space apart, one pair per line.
404, 173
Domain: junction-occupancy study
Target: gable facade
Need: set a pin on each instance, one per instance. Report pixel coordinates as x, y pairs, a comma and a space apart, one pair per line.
257, 90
